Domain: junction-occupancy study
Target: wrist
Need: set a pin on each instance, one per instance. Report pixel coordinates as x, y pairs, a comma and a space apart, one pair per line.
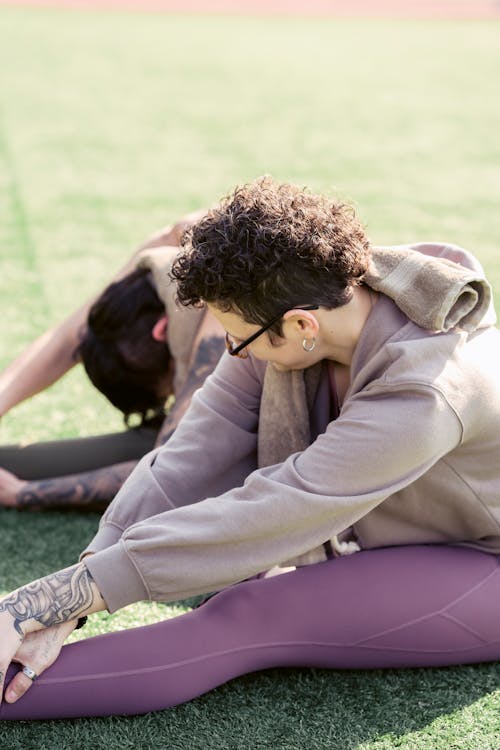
67, 627
58, 599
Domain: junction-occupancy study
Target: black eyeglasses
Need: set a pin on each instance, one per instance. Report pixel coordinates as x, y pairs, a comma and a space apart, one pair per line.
239, 349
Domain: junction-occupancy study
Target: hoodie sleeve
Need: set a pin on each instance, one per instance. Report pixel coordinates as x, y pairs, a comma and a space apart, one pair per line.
281, 511
212, 450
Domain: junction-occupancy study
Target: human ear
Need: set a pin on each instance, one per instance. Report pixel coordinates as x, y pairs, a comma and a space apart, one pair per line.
159, 330
303, 321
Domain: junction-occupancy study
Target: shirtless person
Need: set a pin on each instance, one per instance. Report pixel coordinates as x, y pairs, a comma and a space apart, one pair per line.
139, 349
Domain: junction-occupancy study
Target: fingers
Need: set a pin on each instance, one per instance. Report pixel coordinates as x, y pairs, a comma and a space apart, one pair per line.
17, 687
38, 651
11, 637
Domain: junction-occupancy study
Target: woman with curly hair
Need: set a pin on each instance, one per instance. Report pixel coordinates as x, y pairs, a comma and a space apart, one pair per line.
351, 433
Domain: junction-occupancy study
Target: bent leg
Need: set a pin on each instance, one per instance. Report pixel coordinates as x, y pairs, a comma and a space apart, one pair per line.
57, 458
393, 607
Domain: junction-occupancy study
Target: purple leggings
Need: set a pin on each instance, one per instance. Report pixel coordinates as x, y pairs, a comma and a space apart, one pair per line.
393, 607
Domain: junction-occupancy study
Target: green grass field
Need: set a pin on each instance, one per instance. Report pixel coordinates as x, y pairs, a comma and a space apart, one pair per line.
113, 124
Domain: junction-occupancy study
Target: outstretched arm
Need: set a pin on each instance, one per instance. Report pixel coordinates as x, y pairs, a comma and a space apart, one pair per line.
43, 362
52, 354
51, 605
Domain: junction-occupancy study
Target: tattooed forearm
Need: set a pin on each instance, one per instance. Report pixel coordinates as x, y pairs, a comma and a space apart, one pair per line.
51, 600
207, 355
91, 488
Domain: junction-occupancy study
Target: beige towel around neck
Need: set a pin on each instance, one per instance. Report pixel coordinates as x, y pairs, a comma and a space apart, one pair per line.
435, 293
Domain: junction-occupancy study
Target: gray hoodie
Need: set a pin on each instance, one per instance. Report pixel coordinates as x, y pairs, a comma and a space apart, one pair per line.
413, 458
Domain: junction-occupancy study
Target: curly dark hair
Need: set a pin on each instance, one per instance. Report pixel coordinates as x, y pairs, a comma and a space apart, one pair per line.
119, 354
269, 247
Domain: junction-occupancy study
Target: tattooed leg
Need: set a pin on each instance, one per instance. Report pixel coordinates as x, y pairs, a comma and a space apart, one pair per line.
93, 488
58, 597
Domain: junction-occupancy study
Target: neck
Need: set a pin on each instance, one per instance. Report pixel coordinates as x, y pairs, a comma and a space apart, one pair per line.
341, 328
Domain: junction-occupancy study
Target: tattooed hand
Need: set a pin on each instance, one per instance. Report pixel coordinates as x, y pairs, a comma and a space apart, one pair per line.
38, 650
55, 600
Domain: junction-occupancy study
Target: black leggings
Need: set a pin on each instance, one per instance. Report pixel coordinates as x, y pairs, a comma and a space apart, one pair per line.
56, 458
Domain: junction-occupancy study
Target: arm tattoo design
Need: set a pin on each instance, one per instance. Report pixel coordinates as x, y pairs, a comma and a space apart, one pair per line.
208, 353
51, 600
91, 488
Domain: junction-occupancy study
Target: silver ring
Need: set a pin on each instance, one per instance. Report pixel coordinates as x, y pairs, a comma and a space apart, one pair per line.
30, 673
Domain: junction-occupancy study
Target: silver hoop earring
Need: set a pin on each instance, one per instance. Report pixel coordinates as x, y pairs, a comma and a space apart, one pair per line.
308, 346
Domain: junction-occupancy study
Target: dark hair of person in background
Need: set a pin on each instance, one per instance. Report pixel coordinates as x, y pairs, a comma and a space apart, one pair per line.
118, 351
269, 247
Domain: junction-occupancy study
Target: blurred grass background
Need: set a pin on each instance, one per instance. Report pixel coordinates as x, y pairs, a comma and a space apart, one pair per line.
112, 124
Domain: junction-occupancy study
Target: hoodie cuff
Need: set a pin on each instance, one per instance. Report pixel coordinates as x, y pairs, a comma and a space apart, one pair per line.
118, 580
107, 535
